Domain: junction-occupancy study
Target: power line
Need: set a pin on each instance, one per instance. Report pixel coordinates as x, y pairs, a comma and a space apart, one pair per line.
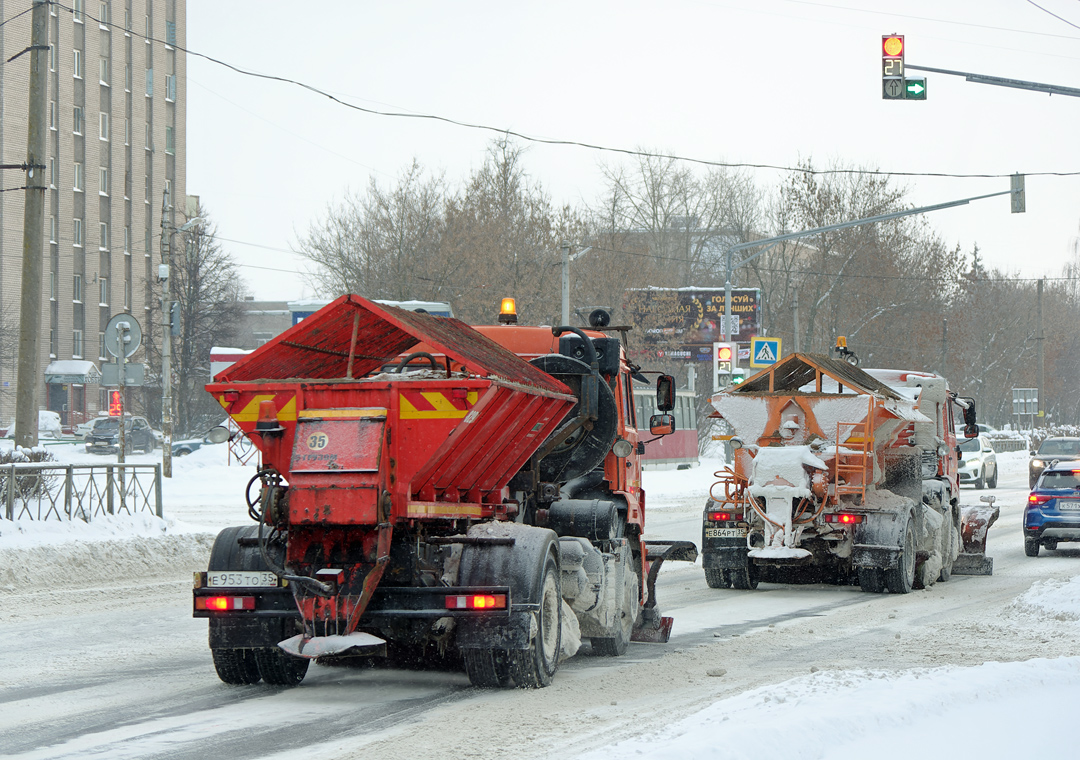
1059, 18
563, 142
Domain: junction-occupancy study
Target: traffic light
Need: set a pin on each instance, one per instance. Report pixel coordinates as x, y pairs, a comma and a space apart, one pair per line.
116, 404
738, 377
1019, 197
892, 67
726, 357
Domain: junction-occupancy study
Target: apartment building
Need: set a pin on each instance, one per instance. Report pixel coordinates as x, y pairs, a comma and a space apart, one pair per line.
116, 145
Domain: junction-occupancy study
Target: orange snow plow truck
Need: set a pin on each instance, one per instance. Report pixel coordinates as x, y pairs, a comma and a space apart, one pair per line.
433, 492
842, 475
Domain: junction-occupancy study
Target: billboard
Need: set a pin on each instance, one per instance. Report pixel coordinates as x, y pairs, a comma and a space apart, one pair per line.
683, 323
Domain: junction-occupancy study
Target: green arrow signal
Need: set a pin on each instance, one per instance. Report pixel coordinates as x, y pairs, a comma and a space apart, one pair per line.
915, 89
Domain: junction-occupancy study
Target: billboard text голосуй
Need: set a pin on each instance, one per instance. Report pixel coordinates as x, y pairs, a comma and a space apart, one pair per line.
683, 323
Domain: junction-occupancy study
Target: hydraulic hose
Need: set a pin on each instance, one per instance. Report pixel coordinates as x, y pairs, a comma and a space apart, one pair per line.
270, 481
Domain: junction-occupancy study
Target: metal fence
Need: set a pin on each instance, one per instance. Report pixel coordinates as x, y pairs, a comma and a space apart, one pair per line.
69, 492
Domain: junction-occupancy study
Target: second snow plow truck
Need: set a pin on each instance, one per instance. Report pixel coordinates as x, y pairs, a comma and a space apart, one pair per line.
842, 475
433, 491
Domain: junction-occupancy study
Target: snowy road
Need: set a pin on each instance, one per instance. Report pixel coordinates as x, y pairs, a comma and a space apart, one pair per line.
115, 666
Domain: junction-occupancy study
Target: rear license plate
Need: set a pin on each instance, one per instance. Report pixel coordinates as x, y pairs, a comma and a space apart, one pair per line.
240, 579
1068, 505
725, 533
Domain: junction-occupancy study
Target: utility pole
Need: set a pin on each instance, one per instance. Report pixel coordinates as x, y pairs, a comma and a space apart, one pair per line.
944, 344
26, 422
565, 283
166, 339
795, 307
1039, 350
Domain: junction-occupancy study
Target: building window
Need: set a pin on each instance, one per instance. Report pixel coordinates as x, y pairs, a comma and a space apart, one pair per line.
170, 32
147, 17
78, 10
78, 64
148, 136
103, 14
52, 343
127, 20
76, 120
170, 146
78, 177
52, 57
76, 344
52, 286
103, 291
76, 233
127, 77
103, 181
52, 115
104, 228
149, 83
76, 295
52, 172
262, 338
170, 87
127, 131
101, 346
168, 192
103, 70
103, 126
127, 294
127, 240
147, 189
52, 229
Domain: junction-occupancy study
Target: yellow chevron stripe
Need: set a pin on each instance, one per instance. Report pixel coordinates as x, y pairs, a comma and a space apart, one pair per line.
444, 408
250, 413
421, 509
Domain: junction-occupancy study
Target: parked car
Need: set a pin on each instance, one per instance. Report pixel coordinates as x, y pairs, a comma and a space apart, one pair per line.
215, 435
1052, 513
104, 435
83, 428
978, 463
1052, 450
48, 426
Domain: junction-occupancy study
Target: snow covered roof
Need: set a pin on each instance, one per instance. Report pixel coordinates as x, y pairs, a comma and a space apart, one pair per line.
795, 371
72, 371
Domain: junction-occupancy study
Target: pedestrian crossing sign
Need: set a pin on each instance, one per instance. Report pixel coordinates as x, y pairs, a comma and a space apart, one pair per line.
764, 352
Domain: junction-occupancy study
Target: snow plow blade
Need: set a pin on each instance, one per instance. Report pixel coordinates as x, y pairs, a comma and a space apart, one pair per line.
975, 522
320, 646
653, 628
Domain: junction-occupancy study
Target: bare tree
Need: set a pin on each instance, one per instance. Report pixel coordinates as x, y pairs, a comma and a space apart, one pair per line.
384, 243
209, 291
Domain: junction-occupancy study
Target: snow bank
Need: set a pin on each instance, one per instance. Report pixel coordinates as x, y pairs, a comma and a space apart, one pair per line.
1057, 600
939, 712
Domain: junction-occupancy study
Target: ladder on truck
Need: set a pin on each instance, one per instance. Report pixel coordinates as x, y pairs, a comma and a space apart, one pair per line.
853, 464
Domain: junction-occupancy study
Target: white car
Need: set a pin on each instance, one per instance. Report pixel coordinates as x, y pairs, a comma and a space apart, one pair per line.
979, 462
48, 426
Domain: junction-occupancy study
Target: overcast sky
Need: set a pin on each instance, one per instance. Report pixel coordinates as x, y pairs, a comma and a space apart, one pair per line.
742, 81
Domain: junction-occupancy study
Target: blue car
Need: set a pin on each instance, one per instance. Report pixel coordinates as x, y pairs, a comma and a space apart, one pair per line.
1053, 509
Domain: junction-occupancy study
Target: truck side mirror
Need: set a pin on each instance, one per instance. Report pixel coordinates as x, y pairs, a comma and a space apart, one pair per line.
218, 434
665, 393
969, 414
662, 424
970, 431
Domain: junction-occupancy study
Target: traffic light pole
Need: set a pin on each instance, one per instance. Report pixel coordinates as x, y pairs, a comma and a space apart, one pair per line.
773, 241
1020, 84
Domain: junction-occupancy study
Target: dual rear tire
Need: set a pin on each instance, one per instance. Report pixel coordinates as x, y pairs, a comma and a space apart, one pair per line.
239, 667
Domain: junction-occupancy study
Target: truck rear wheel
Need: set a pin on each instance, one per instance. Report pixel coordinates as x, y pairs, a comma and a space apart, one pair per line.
279, 668
743, 578
534, 667
901, 579
236, 666
716, 578
487, 668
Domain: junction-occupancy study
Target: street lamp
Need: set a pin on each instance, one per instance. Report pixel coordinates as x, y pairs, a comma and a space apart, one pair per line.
566, 259
167, 231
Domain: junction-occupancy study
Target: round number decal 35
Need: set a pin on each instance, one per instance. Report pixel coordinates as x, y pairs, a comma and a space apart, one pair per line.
318, 441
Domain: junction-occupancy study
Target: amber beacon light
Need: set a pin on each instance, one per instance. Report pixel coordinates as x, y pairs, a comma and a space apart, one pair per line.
508, 312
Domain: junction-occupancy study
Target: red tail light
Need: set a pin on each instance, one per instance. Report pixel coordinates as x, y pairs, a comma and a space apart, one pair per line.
1039, 498
224, 603
844, 518
721, 516
476, 602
